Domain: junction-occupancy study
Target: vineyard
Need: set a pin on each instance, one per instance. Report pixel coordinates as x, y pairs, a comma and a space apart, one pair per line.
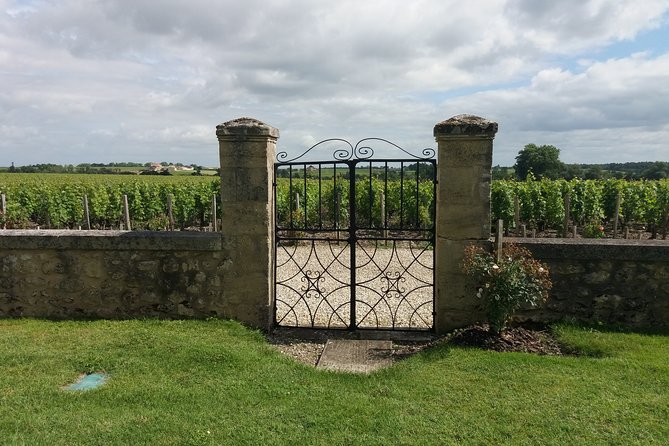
56, 201
314, 204
592, 204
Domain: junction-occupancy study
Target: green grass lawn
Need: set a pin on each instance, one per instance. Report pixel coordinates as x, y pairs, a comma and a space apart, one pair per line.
216, 382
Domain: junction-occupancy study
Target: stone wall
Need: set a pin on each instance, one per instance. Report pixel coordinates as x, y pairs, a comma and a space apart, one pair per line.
612, 281
112, 274
116, 274
119, 274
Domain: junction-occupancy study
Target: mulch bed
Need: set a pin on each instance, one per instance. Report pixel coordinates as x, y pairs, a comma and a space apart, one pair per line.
513, 339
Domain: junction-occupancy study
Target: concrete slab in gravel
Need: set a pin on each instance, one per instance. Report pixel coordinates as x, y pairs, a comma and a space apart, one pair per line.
356, 355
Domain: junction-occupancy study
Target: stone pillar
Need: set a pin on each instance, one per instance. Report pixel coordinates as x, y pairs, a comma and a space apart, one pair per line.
463, 212
247, 149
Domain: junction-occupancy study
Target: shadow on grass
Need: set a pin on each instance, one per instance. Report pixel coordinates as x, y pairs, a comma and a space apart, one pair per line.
606, 340
603, 327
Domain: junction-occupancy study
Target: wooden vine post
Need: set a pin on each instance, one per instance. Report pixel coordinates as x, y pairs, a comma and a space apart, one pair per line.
567, 216
170, 213
214, 217
126, 213
87, 216
516, 215
4, 211
499, 240
616, 216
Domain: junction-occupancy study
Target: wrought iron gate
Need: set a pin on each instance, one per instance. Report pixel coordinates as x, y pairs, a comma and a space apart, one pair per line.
354, 238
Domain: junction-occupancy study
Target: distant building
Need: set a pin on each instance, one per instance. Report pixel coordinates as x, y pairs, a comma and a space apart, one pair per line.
157, 167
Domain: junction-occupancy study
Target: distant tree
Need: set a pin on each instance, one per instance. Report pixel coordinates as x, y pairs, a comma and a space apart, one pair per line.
572, 171
542, 161
657, 171
12, 168
425, 170
155, 172
595, 173
42, 168
502, 173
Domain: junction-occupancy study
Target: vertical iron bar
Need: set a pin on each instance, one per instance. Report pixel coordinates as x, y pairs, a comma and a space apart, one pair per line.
352, 238
402, 195
417, 184
385, 197
274, 280
276, 206
305, 197
334, 198
275, 243
433, 236
290, 195
320, 198
371, 202
434, 198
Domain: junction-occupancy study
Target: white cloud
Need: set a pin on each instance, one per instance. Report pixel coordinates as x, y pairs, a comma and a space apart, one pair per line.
125, 79
613, 109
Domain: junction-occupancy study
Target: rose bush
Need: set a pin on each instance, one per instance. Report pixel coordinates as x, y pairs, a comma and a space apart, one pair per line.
506, 285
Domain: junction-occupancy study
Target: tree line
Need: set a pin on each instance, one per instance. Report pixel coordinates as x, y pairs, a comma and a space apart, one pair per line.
544, 162
123, 168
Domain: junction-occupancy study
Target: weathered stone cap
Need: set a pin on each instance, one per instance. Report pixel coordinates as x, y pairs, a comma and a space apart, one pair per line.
467, 125
246, 127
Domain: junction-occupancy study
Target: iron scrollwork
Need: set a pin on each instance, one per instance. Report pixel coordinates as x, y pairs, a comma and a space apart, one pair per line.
312, 289
392, 282
362, 150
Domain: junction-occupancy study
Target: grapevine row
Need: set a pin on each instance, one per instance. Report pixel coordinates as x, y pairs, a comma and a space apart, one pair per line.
592, 203
315, 204
55, 201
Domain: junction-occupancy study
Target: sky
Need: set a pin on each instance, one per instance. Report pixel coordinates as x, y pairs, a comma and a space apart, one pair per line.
142, 80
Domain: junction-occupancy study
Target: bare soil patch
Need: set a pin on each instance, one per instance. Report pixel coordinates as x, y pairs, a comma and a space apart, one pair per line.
536, 340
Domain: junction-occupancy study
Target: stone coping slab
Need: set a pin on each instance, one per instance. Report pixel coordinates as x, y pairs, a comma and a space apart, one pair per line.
595, 249
466, 125
19, 239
